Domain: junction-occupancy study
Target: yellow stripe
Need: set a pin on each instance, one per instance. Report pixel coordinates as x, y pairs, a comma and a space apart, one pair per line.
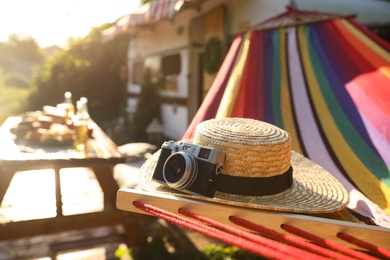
364, 179
366, 40
233, 86
385, 70
288, 117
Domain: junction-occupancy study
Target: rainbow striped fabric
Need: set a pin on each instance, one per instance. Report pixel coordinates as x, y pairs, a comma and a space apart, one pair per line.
327, 84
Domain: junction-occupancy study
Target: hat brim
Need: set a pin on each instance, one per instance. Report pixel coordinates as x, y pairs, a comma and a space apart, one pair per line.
314, 190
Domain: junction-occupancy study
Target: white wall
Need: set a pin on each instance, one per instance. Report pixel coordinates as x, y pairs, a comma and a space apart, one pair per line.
175, 120
252, 12
368, 11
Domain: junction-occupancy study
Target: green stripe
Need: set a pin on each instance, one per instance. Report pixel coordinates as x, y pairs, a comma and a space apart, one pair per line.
276, 81
364, 152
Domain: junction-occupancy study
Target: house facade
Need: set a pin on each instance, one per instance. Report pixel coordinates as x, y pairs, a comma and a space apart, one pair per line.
173, 49
182, 44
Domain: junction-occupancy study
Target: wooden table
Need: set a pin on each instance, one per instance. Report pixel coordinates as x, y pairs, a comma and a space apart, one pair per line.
101, 156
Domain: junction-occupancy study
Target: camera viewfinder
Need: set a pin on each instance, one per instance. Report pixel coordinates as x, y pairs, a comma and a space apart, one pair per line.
204, 153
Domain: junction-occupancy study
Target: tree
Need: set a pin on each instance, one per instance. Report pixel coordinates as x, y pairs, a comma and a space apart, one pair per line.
24, 48
19, 54
88, 68
148, 106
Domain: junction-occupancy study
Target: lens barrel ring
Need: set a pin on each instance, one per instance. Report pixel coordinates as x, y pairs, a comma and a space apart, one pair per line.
173, 166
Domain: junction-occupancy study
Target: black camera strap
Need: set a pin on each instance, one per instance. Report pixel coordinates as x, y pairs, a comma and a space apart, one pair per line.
258, 186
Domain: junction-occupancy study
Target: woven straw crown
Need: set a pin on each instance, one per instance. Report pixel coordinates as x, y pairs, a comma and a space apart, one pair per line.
253, 148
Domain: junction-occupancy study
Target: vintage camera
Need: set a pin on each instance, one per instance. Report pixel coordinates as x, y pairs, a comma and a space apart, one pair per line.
189, 168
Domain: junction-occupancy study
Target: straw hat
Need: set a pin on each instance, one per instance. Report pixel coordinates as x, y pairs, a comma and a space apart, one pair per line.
259, 154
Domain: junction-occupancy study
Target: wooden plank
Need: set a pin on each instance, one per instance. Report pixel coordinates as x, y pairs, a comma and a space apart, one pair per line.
106, 143
48, 246
25, 165
5, 181
101, 150
326, 228
131, 222
28, 228
86, 243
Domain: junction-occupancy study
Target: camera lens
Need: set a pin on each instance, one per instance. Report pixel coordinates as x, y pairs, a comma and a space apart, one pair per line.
180, 170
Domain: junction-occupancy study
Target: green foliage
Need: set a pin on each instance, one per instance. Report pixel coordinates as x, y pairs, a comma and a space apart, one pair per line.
156, 249
20, 54
88, 68
212, 56
148, 106
24, 48
219, 252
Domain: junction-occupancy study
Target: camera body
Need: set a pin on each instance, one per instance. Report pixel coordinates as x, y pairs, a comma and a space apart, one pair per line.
190, 168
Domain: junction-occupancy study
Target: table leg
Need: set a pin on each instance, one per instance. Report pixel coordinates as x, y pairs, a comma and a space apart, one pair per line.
5, 180
58, 192
132, 222
105, 177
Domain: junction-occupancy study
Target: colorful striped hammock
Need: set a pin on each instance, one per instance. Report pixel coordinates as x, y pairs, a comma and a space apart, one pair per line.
328, 84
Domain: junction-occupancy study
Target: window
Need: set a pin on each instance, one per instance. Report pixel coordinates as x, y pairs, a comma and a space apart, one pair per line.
170, 65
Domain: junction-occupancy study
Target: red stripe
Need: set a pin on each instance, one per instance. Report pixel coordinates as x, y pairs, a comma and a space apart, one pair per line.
213, 232
363, 244
287, 249
325, 242
370, 110
288, 239
374, 86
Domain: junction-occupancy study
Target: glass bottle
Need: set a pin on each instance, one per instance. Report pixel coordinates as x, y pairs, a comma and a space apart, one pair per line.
69, 107
80, 123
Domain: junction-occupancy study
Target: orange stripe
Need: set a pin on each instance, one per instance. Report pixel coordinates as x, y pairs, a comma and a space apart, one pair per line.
374, 54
